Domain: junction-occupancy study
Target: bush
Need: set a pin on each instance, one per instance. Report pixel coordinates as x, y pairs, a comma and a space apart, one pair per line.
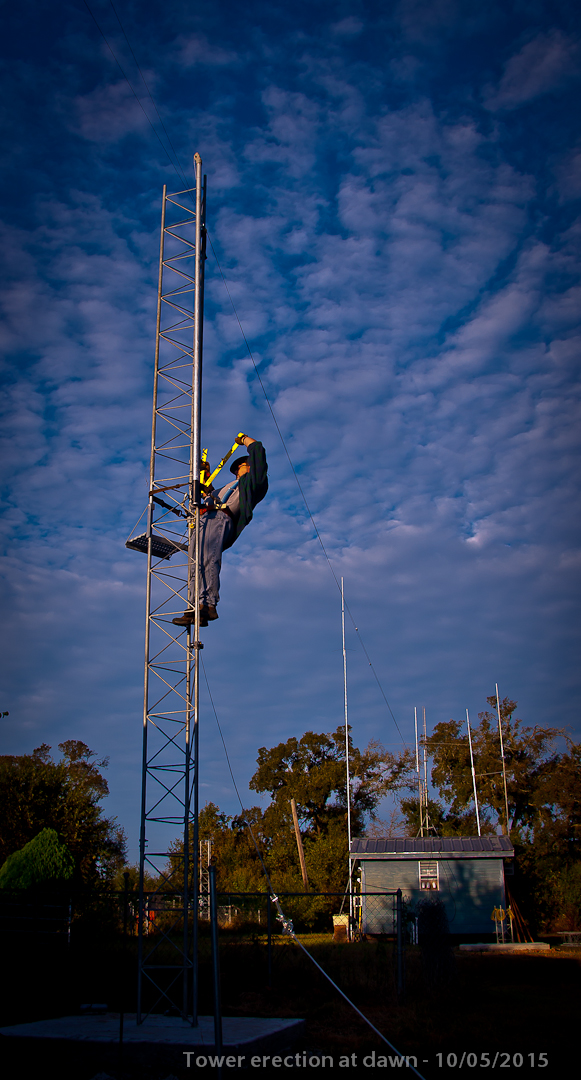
43, 861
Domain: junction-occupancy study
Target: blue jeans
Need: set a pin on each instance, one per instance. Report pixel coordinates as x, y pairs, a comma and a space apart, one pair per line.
215, 528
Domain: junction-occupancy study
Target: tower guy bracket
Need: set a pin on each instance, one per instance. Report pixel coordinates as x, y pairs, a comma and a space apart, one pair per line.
168, 843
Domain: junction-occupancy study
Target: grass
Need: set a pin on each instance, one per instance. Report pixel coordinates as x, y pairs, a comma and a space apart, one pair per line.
518, 1004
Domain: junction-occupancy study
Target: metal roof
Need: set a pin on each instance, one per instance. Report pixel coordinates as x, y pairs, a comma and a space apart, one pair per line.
445, 847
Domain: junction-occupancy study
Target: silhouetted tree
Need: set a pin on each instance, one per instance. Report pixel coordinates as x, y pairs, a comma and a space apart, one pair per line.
37, 792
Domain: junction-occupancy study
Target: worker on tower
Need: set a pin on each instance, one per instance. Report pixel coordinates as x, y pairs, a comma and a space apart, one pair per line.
223, 516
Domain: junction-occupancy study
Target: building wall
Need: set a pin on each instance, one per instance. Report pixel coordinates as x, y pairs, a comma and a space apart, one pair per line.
469, 888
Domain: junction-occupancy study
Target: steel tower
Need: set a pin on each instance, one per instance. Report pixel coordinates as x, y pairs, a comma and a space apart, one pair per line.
170, 761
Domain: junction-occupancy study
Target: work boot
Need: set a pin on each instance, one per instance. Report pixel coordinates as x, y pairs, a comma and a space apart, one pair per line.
186, 619
189, 617
208, 612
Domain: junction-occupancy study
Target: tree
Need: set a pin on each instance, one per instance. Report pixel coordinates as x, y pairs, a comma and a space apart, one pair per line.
233, 851
529, 760
43, 861
442, 821
37, 792
543, 792
312, 771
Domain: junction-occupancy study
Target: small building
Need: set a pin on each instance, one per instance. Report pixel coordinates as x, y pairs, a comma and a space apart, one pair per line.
467, 873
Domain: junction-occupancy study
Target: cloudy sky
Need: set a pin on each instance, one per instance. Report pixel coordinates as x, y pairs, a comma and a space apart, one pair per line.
393, 194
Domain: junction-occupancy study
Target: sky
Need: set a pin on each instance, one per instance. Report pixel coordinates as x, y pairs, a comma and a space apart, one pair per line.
393, 197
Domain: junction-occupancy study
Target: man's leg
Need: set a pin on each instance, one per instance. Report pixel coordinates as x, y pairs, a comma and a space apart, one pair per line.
215, 528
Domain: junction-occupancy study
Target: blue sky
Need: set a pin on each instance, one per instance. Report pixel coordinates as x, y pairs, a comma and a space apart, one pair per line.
394, 198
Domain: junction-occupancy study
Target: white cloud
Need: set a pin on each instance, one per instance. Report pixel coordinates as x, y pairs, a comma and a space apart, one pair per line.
542, 65
349, 27
195, 50
110, 112
415, 328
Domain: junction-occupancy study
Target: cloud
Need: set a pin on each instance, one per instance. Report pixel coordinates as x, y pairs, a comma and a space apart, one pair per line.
349, 27
109, 113
412, 307
195, 50
568, 173
544, 64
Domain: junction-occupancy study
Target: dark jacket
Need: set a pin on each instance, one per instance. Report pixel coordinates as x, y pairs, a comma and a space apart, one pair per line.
253, 487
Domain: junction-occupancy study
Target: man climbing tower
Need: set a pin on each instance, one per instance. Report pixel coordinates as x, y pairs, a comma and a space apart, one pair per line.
223, 516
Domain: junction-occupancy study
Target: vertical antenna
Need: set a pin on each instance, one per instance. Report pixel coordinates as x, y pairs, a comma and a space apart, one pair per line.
346, 718
348, 777
421, 800
503, 761
426, 815
473, 773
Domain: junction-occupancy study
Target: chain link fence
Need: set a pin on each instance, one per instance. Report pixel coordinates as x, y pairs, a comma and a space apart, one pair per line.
255, 952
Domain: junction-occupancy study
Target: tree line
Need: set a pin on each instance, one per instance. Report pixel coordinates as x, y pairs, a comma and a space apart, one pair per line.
542, 767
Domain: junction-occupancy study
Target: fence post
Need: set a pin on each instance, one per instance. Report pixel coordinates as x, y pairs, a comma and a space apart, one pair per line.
215, 960
269, 938
124, 953
399, 939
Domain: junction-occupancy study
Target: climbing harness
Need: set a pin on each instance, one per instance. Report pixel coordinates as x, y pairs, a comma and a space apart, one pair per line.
161, 547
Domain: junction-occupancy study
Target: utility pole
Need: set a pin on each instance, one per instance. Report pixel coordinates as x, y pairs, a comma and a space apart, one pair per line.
473, 773
503, 760
170, 755
300, 848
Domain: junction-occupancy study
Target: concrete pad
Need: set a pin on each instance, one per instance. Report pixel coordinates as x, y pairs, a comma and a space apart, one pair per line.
509, 947
238, 1032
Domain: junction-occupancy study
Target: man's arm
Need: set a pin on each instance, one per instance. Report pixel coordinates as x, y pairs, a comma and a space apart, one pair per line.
256, 481
252, 486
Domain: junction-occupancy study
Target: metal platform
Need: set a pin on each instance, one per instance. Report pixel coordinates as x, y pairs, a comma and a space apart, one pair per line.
160, 547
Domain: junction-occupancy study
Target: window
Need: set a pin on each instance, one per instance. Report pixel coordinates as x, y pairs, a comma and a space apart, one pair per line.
429, 875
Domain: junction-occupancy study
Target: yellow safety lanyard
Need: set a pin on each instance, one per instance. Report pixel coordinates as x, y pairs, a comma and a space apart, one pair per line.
235, 445
226, 457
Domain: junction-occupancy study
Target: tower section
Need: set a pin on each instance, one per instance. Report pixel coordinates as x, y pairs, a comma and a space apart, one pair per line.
169, 882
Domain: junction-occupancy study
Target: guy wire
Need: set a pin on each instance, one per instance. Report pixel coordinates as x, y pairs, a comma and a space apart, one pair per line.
313, 522
181, 176
287, 925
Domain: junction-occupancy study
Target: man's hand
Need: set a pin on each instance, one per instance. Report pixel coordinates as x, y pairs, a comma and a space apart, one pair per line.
244, 440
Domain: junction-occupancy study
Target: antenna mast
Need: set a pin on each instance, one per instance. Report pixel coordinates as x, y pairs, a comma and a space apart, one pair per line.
420, 793
346, 718
426, 818
348, 777
170, 757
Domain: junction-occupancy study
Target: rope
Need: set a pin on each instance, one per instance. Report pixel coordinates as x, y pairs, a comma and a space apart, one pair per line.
150, 95
181, 176
137, 522
177, 169
286, 924
304, 498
